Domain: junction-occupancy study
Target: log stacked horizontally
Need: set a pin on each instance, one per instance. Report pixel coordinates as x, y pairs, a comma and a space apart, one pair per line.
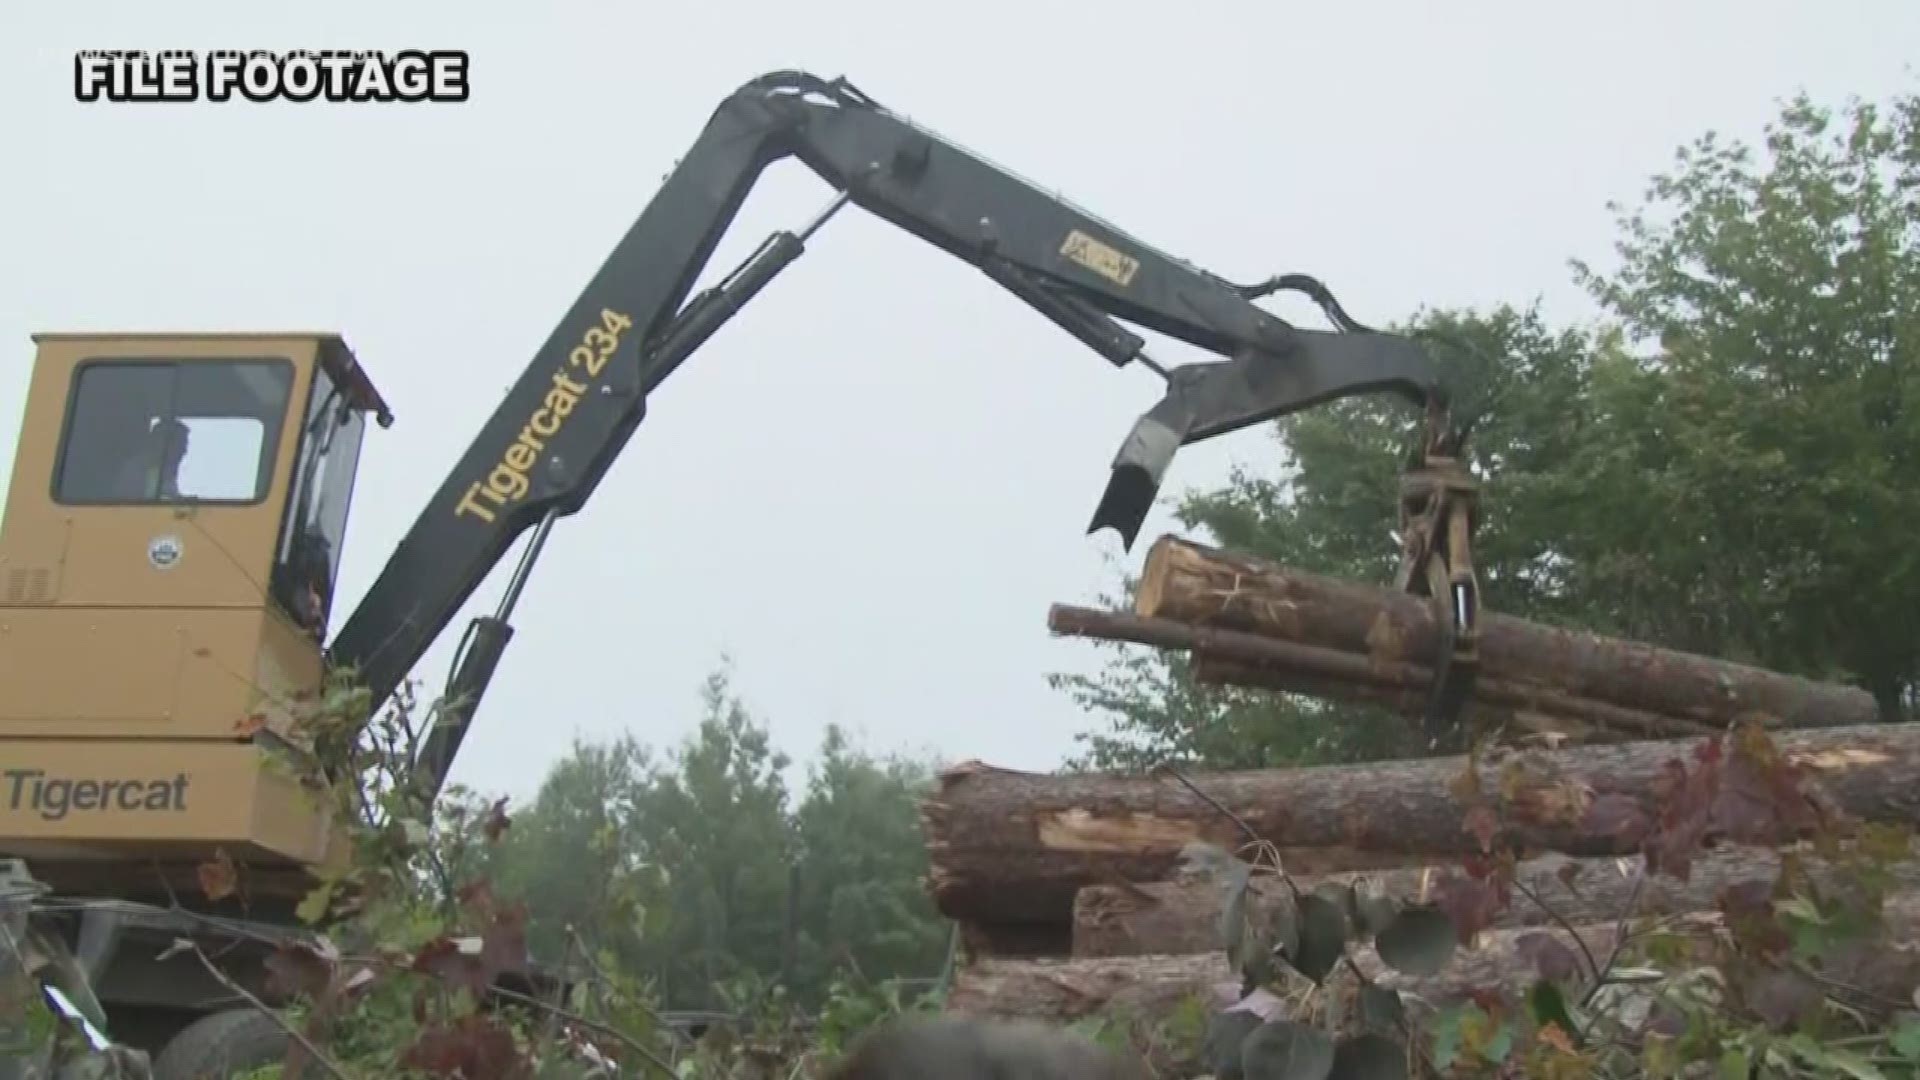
1015, 847
1251, 622
1064, 989
1178, 917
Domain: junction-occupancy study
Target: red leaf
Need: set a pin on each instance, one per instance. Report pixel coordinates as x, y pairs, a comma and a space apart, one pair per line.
503, 945
1483, 824
1671, 851
294, 970
218, 878
443, 959
475, 1047
1760, 799
1617, 817
1708, 752
1472, 903
1685, 816
1569, 874
462, 963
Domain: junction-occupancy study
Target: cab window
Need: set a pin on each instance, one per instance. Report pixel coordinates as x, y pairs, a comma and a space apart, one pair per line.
316, 522
159, 431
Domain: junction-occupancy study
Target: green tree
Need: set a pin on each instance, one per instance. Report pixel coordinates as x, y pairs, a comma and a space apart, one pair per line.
716, 819
697, 868
863, 905
571, 856
1777, 412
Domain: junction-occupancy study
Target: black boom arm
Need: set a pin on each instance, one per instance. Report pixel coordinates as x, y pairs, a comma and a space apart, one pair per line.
563, 423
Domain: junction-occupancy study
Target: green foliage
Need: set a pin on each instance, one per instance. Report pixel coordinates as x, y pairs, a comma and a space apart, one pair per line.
699, 868
585, 888
718, 817
461, 941
863, 907
1781, 290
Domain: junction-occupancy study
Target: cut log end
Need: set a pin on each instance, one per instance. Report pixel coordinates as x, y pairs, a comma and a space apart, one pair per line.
1150, 593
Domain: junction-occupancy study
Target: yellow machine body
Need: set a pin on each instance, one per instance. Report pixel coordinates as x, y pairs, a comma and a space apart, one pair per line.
156, 632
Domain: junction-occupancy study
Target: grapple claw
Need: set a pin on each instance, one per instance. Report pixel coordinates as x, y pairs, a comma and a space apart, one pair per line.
1438, 504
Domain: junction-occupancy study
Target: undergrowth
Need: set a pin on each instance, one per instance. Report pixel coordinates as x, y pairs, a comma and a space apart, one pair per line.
416, 967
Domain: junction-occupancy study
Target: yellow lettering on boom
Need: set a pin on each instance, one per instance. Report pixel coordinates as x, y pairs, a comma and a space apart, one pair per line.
511, 476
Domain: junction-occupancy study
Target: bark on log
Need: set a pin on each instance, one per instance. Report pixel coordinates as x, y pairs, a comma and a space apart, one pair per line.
1204, 586
1060, 989
1238, 658
1152, 987
1170, 917
1010, 846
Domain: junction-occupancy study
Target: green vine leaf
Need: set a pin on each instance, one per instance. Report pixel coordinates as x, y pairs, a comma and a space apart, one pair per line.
1547, 1005
1370, 1057
1283, 923
1381, 1008
1226, 1033
1906, 1040
1323, 937
1372, 913
1419, 941
1284, 1050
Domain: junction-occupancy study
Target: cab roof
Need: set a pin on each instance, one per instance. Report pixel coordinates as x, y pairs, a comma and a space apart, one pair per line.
336, 356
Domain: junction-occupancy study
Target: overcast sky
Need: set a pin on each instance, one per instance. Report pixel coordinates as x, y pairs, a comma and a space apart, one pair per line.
870, 485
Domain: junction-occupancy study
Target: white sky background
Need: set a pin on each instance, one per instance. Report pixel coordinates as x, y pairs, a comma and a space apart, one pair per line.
871, 484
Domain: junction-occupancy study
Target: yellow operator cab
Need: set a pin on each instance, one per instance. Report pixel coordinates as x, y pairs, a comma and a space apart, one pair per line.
167, 560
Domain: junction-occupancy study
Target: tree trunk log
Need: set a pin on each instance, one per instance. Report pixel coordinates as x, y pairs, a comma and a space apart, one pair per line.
1154, 986
1063, 989
1204, 586
1237, 658
1009, 846
1157, 918
1151, 988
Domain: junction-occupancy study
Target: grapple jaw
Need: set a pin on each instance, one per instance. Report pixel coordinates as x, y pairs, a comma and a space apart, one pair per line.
1208, 399
1439, 499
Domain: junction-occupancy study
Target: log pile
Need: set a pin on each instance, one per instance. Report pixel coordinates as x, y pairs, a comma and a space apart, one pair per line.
1013, 847
1067, 887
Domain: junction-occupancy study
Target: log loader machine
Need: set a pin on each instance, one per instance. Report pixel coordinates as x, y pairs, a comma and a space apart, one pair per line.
179, 501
